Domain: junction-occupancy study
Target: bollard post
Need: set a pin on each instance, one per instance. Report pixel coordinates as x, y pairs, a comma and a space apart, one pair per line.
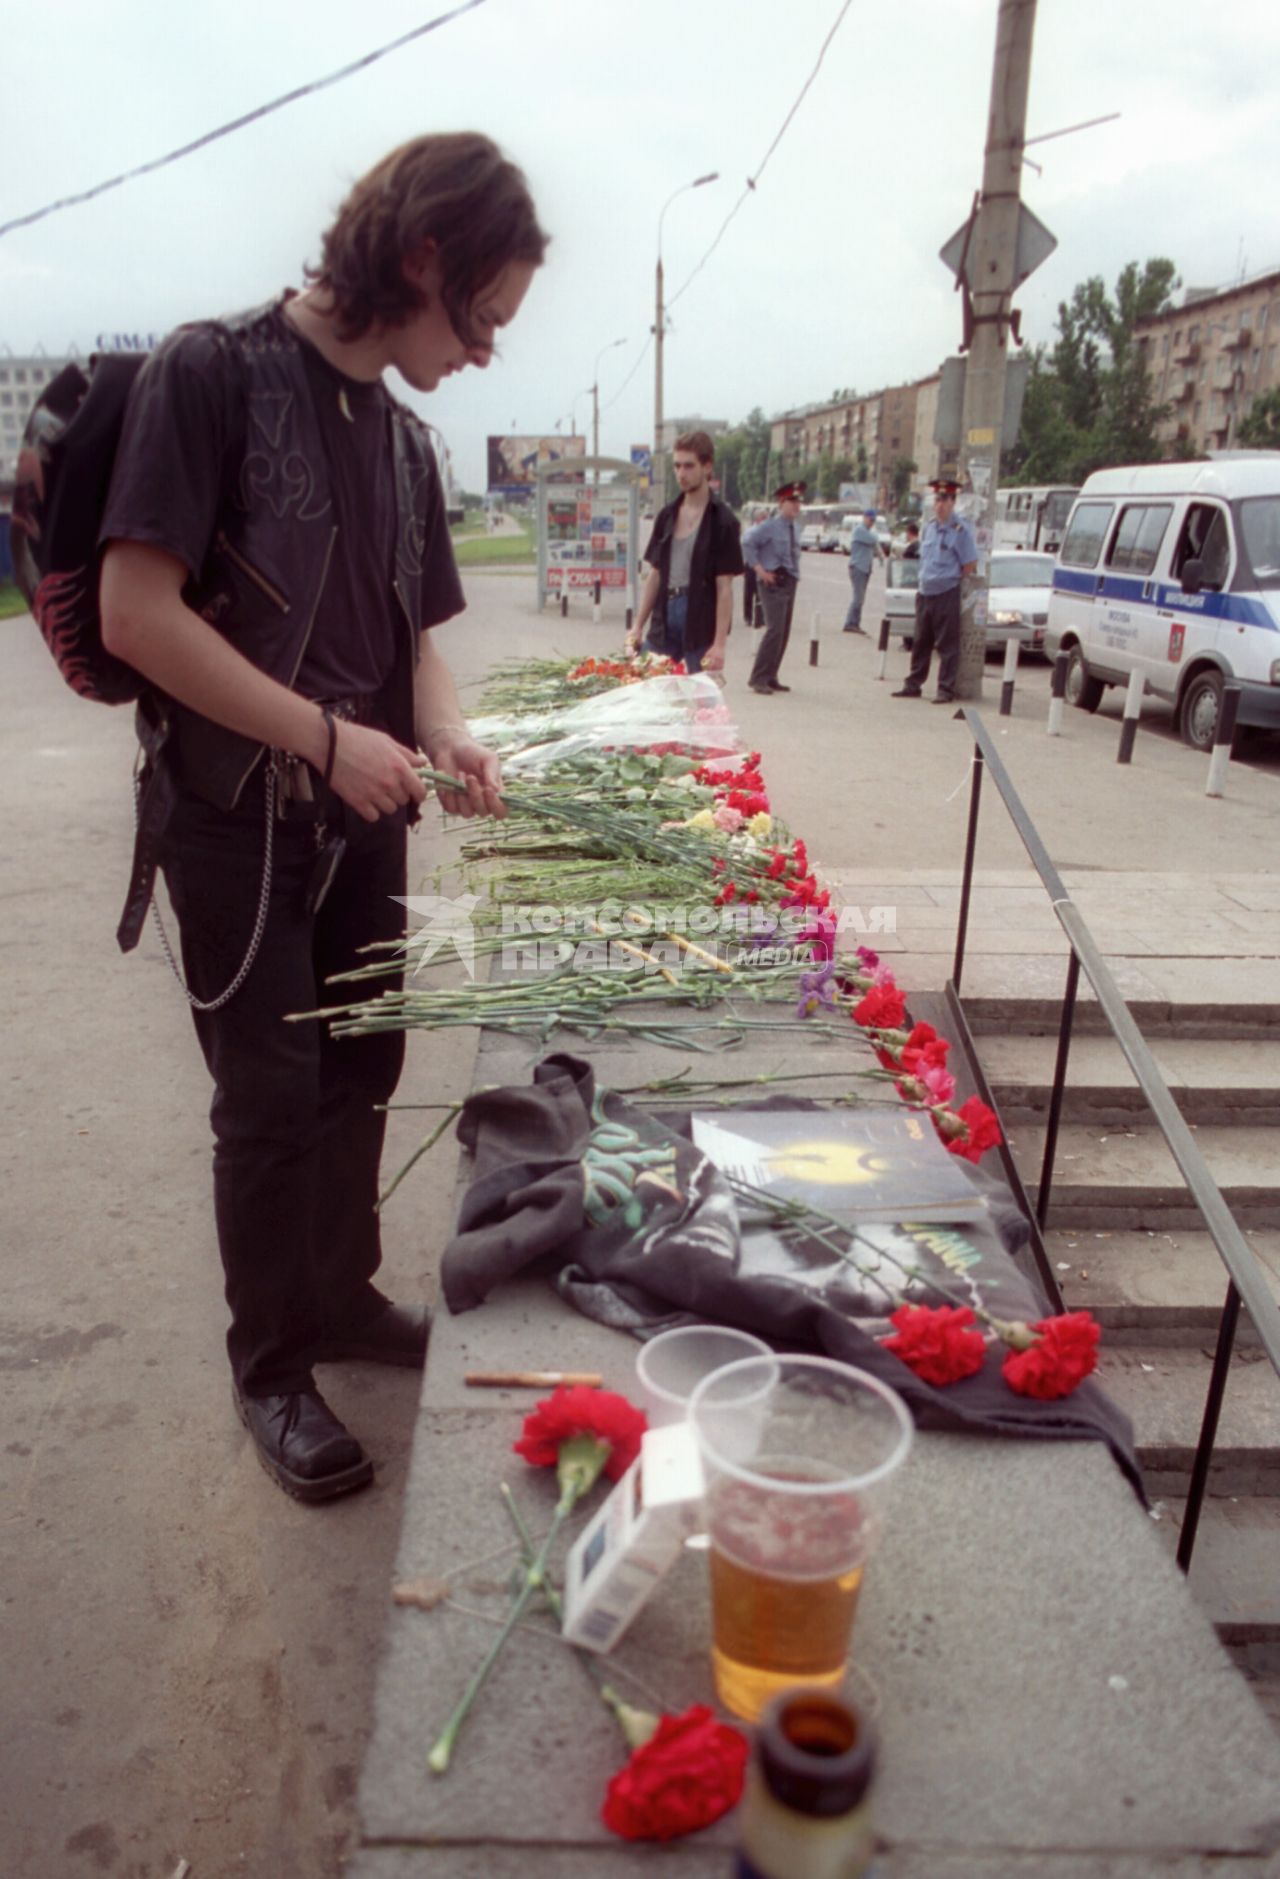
883, 647
813, 638
595, 606
1223, 738
1010, 674
1132, 712
627, 627
564, 604
1058, 693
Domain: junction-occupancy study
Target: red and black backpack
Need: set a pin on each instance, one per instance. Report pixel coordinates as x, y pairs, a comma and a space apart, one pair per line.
60, 492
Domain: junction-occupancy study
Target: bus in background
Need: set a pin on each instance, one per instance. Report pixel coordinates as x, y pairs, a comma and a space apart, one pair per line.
1034, 517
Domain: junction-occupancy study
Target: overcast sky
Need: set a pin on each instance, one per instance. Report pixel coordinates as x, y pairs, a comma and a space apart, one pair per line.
827, 277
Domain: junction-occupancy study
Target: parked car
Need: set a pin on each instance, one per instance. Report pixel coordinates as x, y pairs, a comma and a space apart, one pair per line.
1172, 570
1019, 600
1017, 605
811, 535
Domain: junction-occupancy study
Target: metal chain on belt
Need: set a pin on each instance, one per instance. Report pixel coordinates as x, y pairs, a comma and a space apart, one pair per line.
260, 920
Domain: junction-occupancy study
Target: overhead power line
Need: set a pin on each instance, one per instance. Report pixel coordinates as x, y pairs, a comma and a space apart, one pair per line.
753, 180
640, 359
239, 123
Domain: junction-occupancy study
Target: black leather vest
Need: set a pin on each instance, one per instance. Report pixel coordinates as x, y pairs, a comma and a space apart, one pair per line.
265, 571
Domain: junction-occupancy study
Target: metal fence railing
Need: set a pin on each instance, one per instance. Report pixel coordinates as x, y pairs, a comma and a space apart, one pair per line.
1246, 1281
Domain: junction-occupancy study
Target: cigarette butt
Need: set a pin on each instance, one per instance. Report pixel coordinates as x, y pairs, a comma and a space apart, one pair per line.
531, 1379
424, 1593
181, 1870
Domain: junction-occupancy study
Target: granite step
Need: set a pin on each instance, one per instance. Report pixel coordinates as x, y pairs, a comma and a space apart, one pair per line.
1235, 1567
1209, 997
1235, 1579
1162, 1388
1108, 1179
1215, 1082
1001, 1012
1158, 1285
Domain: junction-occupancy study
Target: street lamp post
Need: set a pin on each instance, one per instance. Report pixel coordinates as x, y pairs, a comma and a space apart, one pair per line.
595, 396
659, 477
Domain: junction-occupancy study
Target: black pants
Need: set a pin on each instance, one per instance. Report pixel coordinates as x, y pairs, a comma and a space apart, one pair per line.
937, 624
297, 1141
779, 602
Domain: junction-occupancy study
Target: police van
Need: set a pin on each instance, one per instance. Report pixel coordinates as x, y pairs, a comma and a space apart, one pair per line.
1173, 570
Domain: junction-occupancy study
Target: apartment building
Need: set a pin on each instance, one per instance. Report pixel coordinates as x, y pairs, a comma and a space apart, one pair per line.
842, 429
677, 427
1210, 358
21, 382
884, 426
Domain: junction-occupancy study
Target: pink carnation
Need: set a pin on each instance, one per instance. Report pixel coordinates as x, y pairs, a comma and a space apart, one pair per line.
727, 819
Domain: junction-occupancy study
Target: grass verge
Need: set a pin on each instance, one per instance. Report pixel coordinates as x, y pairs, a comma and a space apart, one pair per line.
493, 550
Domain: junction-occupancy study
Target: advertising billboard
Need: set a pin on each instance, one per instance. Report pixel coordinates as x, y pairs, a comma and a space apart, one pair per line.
513, 460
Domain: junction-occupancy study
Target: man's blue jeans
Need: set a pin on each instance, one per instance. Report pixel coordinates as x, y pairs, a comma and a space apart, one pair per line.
671, 643
858, 578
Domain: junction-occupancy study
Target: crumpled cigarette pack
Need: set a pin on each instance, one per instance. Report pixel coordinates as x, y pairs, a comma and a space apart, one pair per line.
634, 1540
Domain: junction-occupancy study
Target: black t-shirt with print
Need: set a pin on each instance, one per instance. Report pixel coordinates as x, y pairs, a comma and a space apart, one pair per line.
178, 467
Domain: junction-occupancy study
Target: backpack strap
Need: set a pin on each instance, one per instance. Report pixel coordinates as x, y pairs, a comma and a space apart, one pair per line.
155, 790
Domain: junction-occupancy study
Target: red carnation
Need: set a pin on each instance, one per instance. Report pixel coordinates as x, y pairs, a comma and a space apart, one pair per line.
598, 1415
883, 1008
924, 1050
686, 1775
1064, 1353
936, 1342
983, 1130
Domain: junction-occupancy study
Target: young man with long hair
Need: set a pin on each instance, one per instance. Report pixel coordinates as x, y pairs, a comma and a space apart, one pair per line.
276, 555
694, 554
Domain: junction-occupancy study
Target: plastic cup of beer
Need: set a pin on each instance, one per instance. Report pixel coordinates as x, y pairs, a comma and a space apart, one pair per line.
794, 1503
672, 1365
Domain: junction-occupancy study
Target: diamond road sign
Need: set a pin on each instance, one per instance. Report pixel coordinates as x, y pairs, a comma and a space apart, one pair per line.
1035, 244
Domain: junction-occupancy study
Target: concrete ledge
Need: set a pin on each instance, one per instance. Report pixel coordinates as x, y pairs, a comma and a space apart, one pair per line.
996, 1554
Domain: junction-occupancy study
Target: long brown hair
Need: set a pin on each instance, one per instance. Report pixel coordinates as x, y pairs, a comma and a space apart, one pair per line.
457, 190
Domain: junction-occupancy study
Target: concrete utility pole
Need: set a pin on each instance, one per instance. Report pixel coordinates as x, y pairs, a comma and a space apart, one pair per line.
992, 276
659, 470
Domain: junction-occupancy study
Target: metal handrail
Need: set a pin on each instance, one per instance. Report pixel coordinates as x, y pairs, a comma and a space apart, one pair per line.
1246, 1283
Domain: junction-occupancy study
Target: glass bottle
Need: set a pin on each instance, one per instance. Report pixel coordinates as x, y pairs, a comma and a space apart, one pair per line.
807, 1812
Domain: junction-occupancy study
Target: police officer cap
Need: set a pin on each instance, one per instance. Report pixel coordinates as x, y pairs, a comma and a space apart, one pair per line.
791, 492
943, 486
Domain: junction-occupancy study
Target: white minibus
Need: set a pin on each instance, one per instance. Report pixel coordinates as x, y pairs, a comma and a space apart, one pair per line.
1173, 570
1033, 517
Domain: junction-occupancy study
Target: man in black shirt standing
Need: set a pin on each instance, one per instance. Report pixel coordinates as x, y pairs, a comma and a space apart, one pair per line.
694, 554
276, 555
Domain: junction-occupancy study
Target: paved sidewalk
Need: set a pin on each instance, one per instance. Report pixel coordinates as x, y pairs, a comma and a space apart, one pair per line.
191, 1668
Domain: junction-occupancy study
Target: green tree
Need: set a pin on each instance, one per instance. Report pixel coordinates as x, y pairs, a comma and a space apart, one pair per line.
832, 471
1261, 429
861, 466
904, 468
742, 459
1088, 401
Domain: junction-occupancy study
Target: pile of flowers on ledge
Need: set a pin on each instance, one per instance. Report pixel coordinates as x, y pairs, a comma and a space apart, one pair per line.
603, 813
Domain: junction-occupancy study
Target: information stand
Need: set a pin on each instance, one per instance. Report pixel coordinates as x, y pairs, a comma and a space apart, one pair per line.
588, 528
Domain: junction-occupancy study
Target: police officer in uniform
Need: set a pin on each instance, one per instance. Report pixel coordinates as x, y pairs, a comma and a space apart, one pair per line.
948, 552
772, 549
